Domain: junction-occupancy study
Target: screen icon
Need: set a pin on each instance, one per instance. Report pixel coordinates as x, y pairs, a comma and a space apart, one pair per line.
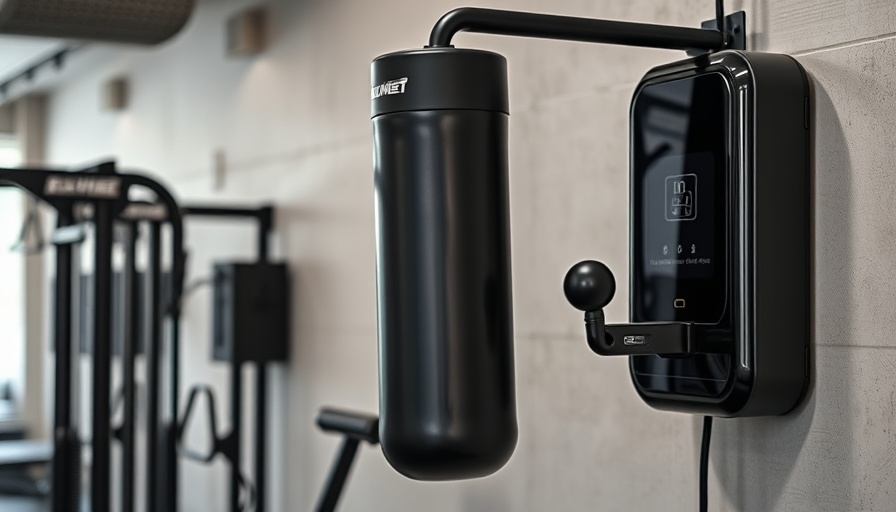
681, 197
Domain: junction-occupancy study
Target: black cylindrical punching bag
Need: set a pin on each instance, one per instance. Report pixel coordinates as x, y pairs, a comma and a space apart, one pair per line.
447, 400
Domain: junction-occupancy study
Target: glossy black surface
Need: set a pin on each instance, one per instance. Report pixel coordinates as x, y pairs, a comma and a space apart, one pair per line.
361, 426
589, 285
680, 174
679, 216
447, 401
766, 328
428, 79
530, 24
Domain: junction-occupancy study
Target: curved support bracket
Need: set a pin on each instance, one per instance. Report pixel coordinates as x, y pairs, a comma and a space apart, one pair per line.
568, 28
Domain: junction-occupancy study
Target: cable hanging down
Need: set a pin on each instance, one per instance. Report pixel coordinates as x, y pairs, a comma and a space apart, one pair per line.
704, 462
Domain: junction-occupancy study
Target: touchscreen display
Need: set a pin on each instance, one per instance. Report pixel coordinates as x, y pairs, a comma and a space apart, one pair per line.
678, 212
679, 181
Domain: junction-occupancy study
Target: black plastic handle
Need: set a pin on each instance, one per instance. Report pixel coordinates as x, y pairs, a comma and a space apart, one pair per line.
360, 426
195, 392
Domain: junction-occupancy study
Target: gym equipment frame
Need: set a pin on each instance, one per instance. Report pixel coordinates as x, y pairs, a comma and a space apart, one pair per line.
99, 195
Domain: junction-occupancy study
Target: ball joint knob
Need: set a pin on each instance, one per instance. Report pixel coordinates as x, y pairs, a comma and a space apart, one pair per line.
589, 285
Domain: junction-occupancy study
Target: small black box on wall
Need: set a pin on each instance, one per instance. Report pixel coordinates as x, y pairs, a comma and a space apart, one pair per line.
250, 318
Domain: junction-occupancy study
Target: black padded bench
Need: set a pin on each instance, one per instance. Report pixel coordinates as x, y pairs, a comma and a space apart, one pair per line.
15, 454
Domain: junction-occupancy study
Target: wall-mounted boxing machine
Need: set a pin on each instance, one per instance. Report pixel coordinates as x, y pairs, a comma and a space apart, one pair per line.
719, 240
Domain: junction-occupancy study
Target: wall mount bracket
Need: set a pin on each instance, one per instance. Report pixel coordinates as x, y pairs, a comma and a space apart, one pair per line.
735, 26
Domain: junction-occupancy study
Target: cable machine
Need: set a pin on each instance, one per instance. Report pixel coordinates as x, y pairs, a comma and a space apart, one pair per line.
98, 196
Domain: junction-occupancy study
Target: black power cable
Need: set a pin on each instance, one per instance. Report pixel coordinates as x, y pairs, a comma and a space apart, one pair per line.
720, 14
720, 21
195, 285
704, 462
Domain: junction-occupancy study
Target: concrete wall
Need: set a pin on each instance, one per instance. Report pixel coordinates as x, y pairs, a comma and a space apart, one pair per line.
293, 125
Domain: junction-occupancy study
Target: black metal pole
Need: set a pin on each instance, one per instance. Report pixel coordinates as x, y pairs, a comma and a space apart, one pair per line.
172, 310
236, 408
261, 425
168, 496
568, 28
131, 329
171, 468
155, 494
338, 475
102, 358
66, 445
265, 225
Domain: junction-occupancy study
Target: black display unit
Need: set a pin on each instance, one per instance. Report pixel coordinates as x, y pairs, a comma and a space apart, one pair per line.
720, 235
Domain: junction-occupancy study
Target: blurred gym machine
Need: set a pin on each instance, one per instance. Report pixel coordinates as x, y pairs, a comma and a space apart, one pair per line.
250, 324
142, 22
94, 200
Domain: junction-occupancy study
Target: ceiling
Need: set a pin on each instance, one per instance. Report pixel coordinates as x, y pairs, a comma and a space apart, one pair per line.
17, 51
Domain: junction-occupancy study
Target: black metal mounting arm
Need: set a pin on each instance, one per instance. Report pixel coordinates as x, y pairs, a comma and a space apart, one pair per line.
568, 28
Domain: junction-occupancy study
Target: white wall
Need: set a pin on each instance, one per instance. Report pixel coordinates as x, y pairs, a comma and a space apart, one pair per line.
295, 129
